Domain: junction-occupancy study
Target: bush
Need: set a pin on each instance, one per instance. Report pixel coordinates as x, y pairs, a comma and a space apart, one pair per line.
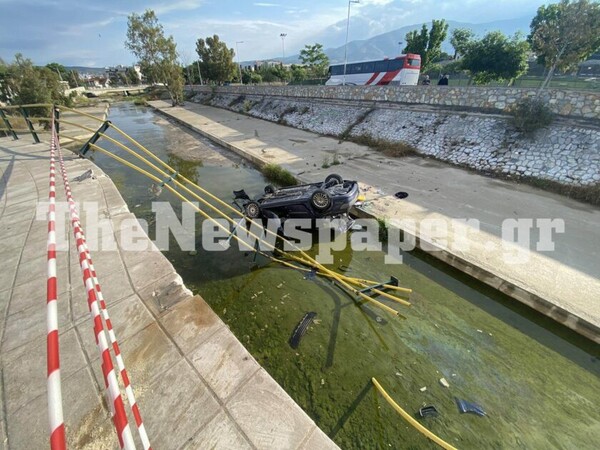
278, 175
531, 114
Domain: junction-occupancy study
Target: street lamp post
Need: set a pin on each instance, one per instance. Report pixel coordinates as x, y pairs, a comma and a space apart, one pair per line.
238, 58
282, 36
346, 45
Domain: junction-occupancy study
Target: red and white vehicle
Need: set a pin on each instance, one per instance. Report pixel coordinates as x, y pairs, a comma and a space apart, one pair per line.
402, 70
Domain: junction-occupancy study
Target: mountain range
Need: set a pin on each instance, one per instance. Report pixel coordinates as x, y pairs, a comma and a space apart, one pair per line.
388, 44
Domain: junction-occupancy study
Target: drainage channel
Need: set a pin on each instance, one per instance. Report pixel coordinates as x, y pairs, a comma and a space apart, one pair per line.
538, 382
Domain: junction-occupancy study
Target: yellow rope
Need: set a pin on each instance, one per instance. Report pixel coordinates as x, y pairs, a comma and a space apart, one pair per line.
305, 260
420, 428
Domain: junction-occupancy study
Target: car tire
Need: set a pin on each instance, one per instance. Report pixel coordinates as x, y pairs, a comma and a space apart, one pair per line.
320, 200
252, 210
269, 189
333, 179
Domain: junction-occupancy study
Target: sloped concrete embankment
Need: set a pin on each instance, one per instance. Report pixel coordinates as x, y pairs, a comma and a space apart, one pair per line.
568, 154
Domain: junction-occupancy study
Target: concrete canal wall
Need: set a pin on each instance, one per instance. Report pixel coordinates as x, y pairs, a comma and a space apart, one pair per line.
565, 153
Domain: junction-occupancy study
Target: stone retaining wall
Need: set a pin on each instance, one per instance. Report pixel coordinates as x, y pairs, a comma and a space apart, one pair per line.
564, 102
565, 154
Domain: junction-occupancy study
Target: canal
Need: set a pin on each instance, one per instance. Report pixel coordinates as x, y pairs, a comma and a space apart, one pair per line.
538, 382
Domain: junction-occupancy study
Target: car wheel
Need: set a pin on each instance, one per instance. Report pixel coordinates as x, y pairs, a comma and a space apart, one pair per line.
320, 200
269, 189
333, 179
252, 210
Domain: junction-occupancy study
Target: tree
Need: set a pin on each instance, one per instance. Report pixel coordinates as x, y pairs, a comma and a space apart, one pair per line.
59, 69
23, 83
564, 34
251, 77
156, 53
73, 79
298, 73
496, 57
315, 59
132, 76
460, 39
427, 43
216, 60
281, 72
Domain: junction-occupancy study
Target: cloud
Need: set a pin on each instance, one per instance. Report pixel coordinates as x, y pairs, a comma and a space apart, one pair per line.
267, 5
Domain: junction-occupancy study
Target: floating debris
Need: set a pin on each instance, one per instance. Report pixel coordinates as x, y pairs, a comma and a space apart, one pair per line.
469, 407
310, 275
155, 190
301, 329
428, 411
423, 389
444, 383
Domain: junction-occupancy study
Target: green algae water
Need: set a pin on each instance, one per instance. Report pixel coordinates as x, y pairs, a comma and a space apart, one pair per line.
538, 382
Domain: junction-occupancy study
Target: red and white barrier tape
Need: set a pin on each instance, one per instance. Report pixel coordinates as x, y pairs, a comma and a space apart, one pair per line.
120, 363
110, 379
55, 411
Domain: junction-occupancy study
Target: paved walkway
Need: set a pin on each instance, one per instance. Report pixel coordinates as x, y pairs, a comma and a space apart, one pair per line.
563, 284
197, 387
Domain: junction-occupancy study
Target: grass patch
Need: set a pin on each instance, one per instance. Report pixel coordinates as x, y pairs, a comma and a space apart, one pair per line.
335, 161
346, 133
248, 105
588, 194
531, 114
383, 229
388, 148
278, 175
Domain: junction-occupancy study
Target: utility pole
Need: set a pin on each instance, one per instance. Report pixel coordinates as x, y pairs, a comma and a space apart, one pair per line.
282, 36
199, 73
238, 58
346, 45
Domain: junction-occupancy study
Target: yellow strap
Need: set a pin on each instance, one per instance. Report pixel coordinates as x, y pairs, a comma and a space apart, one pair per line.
420, 428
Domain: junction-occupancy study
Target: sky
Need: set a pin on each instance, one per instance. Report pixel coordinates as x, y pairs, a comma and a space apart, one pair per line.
91, 34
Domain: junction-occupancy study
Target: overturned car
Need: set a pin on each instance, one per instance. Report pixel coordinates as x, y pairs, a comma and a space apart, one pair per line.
330, 198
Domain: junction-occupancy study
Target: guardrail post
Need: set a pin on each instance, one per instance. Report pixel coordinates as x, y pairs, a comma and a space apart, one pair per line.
94, 138
30, 125
8, 126
57, 120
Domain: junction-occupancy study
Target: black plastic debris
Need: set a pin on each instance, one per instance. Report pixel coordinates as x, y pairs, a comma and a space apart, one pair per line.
469, 407
428, 411
401, 195
301, 329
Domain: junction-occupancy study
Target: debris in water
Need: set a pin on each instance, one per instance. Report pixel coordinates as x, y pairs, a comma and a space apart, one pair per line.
400, 195
444, 383
155, 189
310, 275
479, 331
279, 285
423, 389
428, 411
322, 382
469, 407
301, 329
